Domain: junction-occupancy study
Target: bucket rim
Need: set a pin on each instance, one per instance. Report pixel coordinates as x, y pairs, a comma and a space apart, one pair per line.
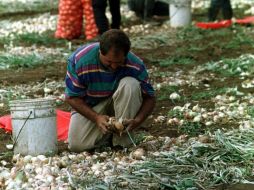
33, 101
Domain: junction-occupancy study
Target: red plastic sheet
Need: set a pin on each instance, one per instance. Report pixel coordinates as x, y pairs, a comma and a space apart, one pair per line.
225, 23
246, 20
214, 25
62, 123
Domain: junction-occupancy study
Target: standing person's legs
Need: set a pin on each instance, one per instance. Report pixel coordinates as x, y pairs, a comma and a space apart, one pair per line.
161, 9
127, 101
137, 6
214, 9
99, 8
114, 7
83, 133
227, 9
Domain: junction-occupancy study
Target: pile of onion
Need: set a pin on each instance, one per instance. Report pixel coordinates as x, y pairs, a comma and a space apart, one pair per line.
90, 29
116, 125
70, 20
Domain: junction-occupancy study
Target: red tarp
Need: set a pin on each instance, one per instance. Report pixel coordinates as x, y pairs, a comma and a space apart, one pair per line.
62, 123
246, 20
214, 25
225, 23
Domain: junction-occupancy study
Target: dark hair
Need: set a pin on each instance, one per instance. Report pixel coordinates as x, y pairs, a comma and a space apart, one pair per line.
115, 39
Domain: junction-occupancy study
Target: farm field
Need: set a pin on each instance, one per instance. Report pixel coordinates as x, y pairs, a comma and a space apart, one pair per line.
200, 134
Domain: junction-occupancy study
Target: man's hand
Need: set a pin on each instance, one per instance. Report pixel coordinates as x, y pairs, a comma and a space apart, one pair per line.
102, 122
130, 124
81, 107
145, 110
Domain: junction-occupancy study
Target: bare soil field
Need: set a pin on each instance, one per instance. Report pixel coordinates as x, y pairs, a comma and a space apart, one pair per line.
189, 49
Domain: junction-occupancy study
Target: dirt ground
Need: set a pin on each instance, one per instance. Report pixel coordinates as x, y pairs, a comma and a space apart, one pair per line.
57, 71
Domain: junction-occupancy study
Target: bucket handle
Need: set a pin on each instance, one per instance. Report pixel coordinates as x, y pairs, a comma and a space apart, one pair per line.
16, 139
31, 113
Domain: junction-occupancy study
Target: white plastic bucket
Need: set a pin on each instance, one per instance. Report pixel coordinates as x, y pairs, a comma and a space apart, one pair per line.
34, 126
180, 13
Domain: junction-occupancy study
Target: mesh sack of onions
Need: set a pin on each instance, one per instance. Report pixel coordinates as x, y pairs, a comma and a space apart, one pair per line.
90, 27
70, 20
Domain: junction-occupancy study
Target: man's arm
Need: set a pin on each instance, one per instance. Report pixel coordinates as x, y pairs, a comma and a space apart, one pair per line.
145, 110
79, 105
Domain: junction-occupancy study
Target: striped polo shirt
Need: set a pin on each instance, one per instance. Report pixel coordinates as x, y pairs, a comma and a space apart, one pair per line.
87, 77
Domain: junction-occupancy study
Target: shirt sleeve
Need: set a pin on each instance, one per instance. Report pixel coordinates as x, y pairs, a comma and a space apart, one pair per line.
137, 69
73, 85
145, 84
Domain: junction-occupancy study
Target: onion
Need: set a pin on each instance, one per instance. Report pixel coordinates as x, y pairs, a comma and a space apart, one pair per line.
9, 146
138, 154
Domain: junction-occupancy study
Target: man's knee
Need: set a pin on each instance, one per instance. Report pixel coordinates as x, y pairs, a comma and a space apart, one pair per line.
129, 82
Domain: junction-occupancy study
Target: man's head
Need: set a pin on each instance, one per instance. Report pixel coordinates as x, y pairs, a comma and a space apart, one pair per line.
114, 47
